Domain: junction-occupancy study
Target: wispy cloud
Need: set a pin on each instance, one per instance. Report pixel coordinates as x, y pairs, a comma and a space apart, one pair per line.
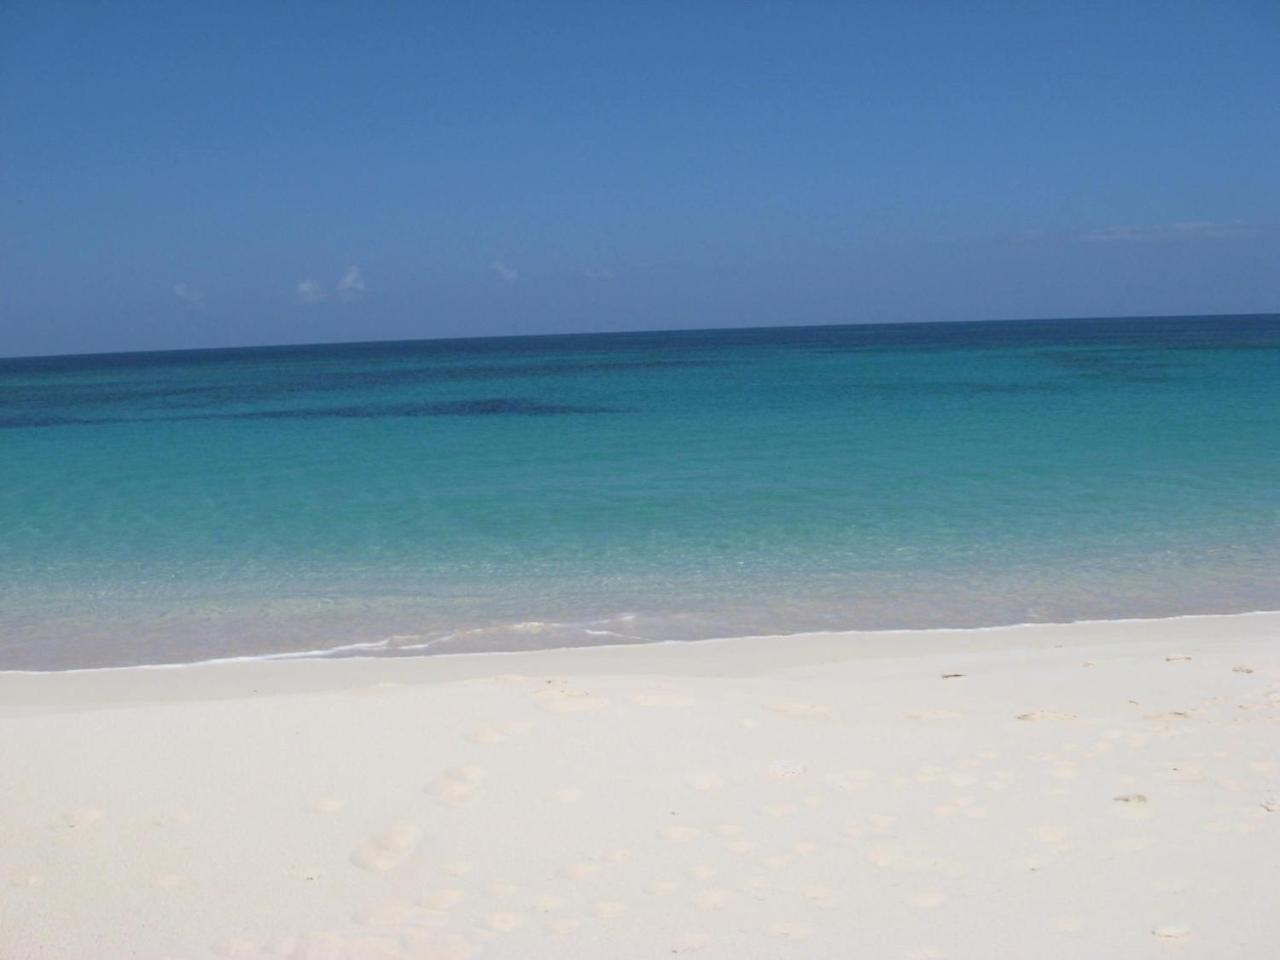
310, 292
505, 273
351, 285
189, 295
1183, 230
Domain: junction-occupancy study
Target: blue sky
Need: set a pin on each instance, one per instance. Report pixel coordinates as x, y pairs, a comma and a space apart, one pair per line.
178, 174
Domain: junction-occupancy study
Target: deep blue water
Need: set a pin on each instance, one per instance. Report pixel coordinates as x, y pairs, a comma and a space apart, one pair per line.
538, 491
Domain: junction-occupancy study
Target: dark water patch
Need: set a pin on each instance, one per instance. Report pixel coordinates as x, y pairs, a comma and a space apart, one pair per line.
1124, 366
299, 379
37, 422
487, 407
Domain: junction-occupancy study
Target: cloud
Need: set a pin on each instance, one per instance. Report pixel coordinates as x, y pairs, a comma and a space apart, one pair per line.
505, 273
351, 285
1183, 230
190, 296
310, 292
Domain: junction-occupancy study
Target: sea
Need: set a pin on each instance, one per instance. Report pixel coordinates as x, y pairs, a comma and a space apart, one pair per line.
447, 496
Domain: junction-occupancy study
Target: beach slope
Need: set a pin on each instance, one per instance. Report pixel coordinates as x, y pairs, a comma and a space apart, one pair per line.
1083, 790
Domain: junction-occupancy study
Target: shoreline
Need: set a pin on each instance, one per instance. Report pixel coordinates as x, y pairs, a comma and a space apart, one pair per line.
340, 653
1099, 788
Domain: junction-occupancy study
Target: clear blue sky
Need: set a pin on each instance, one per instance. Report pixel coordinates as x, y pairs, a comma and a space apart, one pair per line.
183, 174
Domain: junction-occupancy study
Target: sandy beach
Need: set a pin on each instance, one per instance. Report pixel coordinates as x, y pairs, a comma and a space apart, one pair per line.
1084, 790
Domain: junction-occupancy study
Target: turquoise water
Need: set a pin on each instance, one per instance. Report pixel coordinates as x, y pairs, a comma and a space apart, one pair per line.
541, 491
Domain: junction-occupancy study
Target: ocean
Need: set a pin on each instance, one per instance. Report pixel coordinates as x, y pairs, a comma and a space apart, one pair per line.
498, 494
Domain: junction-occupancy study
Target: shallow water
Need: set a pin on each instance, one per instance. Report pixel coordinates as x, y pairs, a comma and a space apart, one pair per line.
542, 491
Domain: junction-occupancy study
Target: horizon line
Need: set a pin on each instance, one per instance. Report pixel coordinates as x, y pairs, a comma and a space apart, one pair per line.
641, 330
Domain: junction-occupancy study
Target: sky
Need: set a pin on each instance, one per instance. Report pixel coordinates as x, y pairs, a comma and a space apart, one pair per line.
179, 175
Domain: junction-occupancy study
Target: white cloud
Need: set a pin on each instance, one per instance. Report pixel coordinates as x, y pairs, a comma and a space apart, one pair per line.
351, 285
310, 292
1183, 230
505, 273
190, 296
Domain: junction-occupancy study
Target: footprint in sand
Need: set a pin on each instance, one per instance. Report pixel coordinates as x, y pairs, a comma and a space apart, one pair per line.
1177, 657
707, 782
781, 809
580, 870
929, 899
563, 926
327, 805
608, 909
387, 850
444, 899
1172, 931
458, 785
679, 834
547, 903
1054, 837
504, 922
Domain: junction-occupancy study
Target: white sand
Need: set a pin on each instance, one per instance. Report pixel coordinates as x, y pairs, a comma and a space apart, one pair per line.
1082, 791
